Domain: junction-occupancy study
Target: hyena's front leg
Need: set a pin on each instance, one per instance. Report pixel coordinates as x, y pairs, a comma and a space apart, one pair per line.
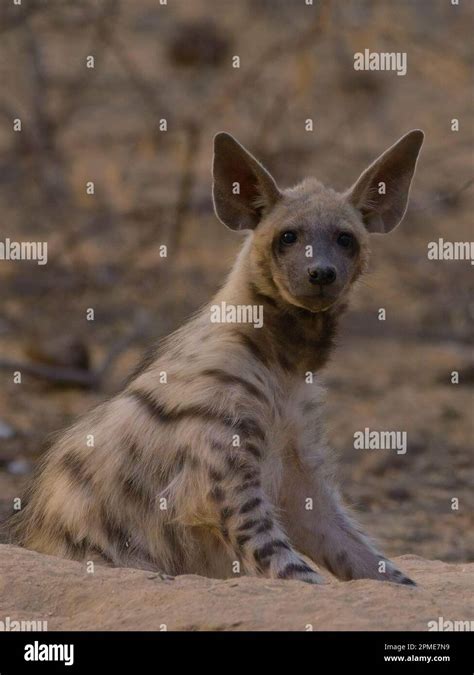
246, 519
320, 527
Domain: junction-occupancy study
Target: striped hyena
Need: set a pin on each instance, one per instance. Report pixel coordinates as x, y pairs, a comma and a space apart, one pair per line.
213, 459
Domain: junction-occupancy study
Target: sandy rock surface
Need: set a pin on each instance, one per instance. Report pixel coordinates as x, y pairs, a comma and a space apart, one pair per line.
63, 593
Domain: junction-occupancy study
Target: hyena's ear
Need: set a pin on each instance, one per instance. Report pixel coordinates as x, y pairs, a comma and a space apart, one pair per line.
381, 192
243, 191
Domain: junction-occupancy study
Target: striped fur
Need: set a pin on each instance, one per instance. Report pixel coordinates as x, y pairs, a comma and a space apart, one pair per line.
211, 472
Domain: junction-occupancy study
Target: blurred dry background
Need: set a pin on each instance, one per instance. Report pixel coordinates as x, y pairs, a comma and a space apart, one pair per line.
152, 188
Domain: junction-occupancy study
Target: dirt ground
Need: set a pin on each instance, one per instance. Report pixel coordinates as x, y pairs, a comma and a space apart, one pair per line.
66, 596
153, 188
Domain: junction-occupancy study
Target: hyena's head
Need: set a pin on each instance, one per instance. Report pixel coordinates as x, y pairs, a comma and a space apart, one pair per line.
310, 243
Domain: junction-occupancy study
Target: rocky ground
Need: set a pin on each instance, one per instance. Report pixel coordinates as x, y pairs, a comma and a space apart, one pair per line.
63, 593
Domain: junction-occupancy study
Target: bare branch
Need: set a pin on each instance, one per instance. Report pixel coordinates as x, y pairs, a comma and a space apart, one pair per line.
89, 379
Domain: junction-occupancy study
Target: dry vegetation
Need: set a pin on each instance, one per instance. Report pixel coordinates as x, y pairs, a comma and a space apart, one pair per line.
153, 187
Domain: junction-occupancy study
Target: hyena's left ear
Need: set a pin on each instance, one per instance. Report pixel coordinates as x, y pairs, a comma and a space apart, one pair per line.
381, 192
243, 191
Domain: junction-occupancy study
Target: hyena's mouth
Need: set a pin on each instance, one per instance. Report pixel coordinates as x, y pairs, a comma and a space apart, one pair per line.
315, 302
320, 300
321, 304
313, 298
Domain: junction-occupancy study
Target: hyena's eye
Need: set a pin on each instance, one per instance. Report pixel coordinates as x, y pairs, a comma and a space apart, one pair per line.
346, 240
288, 237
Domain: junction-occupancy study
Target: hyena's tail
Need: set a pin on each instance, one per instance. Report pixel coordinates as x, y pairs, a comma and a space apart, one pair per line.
37, 520
22, 524
12, 530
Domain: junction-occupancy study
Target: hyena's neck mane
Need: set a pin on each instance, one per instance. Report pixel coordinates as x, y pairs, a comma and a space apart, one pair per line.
291, 337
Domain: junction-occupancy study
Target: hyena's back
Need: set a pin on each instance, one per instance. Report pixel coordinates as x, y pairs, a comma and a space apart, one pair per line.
68, 507
137, 480
110, 486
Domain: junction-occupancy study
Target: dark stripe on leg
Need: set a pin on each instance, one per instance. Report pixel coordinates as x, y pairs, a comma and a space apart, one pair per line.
294, 568
250, 505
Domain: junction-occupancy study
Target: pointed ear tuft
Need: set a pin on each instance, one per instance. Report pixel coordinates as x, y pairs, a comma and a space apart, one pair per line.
381, 192
243, 191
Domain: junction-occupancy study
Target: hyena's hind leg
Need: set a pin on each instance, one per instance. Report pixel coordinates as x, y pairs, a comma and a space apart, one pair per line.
327, 534
246, 518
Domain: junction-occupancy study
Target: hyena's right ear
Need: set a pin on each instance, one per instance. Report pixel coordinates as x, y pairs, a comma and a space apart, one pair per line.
243, 191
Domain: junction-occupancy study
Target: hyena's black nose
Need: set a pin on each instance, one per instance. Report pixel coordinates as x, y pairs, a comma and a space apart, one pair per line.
322, 275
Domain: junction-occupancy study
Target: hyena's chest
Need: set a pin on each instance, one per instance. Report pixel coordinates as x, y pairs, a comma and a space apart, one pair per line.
294, 432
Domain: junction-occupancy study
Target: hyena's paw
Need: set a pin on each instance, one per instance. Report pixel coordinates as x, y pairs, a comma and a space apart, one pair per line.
396, 576
161, 576
311, 577
299, 570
